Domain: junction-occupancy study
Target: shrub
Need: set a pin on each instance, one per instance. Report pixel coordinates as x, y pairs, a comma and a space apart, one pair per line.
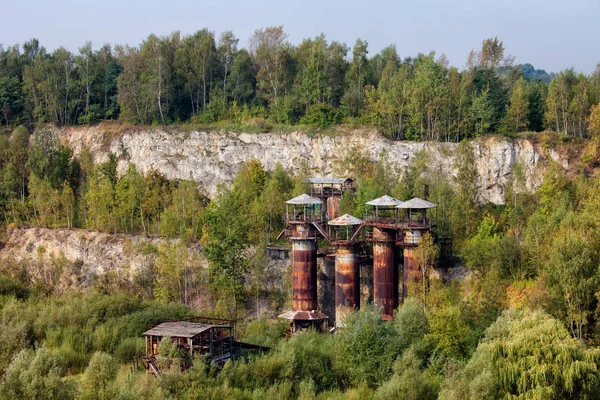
129, 349
36, 375
527, 354
411, 323
97, 380
367, 347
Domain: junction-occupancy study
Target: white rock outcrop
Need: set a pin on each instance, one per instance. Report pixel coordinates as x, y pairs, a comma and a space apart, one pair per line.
214, 158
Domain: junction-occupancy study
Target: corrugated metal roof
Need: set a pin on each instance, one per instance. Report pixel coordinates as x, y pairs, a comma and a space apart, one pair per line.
345, 219
329, 181
384, 201
178, 329
304, 315
417, 203
304, 199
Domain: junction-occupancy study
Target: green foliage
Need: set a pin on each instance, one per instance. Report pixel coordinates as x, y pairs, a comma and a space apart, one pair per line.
482, 113
97, 380
367, 347
195, 78
224, 241
410, 323
128, 196
410, 381
36, 375
12, 287
265, 332
448, 329
527, 354
572, 270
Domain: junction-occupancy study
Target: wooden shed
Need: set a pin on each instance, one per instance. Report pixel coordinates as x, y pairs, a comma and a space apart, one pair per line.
214, 342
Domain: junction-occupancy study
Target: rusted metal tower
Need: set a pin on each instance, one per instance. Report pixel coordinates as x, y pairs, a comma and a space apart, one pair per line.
414, 220
344, 235
304, 214
383, 236
330, 191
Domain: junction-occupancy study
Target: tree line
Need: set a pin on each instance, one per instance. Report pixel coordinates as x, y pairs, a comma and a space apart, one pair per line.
200, 78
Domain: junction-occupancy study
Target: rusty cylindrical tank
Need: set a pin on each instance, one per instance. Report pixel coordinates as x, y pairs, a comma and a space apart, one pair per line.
409, 269
333, 207
304, 268
385, 282
347, 281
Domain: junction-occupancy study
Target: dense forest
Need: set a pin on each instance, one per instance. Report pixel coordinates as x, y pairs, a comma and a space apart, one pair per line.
201, 79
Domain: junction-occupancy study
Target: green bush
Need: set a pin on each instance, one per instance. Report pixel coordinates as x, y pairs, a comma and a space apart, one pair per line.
129, 349
367, 347
12, 287
97, 381
264, 332
36, 375
527, 354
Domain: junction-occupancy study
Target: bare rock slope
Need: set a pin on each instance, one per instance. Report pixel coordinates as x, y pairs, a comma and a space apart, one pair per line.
214, 158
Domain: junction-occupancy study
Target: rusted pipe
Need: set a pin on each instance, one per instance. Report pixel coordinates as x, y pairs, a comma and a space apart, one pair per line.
347, 281
304, 268
385, 282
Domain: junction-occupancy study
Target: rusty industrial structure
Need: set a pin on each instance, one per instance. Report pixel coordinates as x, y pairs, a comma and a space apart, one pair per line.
393, 228
330, 191
383, 235
414, 222
344, 235
304, 214
192, 338
210, 338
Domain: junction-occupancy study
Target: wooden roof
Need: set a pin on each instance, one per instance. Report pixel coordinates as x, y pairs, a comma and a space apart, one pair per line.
329, 181
180, 329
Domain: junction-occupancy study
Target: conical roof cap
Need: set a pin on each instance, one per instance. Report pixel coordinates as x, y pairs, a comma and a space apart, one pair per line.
345, 220
384, 201
314, 315
417, 203
304, 199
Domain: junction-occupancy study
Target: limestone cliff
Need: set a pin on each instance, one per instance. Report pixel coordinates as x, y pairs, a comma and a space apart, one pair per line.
213, 158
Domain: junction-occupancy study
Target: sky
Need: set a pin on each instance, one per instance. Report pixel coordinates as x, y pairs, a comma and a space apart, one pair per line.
551, 35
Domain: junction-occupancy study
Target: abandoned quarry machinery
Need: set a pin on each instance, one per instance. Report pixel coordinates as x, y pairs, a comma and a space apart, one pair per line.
344, 234
393, 227
330, 191
304, 215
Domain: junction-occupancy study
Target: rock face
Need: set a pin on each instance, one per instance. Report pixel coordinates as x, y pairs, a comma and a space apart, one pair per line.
214, 158
94, 253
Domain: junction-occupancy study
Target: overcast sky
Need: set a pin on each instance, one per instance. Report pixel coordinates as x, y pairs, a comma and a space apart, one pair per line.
551, 34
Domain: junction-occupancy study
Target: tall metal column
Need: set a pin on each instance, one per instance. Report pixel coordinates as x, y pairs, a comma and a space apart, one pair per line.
385, 281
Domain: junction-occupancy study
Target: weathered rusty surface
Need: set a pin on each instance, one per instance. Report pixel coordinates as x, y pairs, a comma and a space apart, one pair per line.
345, 220
410, 271
347, 282
304, 315
385, 281
333, 207
304, 269
303, 231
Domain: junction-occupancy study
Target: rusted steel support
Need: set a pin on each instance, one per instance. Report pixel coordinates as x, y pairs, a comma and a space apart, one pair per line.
385, 278
333, 207
347, 281
409, 269
304, 268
